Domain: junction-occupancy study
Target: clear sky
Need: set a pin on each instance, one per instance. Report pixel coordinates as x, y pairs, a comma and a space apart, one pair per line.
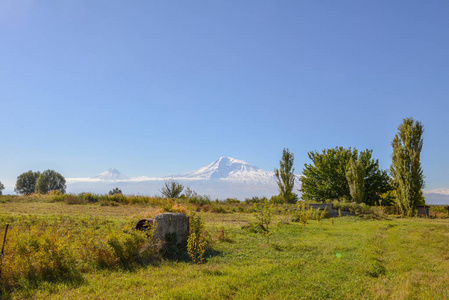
162, 87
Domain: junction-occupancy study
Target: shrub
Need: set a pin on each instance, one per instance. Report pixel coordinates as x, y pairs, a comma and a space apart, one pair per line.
197, 241
39, 255
115, 191
172, 189
219, 209
60, 249
126, 246
91, 198
196, 247
302, 215
199, 200
231, 201
276, 200
254, 200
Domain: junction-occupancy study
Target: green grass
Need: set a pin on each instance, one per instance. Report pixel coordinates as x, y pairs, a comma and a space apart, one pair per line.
380, 259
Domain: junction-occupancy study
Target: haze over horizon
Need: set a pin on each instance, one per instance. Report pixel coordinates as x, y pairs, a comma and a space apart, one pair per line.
159, 88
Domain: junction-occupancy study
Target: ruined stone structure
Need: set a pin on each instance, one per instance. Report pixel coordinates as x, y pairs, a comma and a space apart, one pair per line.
171, 224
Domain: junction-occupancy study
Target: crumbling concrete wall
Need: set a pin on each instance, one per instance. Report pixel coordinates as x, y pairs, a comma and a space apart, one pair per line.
171, 224
332, 212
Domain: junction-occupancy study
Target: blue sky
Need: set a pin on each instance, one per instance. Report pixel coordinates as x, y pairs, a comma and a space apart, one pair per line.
162, 87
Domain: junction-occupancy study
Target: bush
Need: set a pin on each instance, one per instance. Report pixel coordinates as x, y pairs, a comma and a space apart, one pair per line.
60, 250
199, 200
360, 209
39, 255
276, 200
90, 198
219, 209
302, 214
115, 191
197, 241
231, 201
126, 246
255, 200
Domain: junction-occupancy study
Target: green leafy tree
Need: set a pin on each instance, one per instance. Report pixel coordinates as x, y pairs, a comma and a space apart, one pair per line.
286, 178
115, 191
2, 187
325, 178
50, 180
355, 175
172, 189
26, 183
406, 172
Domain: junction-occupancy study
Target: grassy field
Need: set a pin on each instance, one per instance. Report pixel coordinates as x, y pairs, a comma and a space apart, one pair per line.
344, 258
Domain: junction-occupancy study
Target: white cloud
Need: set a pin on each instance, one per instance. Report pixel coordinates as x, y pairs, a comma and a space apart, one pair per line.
442, 191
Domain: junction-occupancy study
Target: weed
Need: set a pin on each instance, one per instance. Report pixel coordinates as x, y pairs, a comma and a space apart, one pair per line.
196, 243
196, 247
224, 237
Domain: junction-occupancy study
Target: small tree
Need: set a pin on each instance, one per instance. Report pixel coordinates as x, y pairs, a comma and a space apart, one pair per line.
2, 187
406, 172
26, 183
115, 191
355, 175
286, 178
263, 214
172, 189
50, 180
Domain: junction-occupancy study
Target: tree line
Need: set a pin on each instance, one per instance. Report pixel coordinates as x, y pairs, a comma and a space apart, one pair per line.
350, 175
337, 173
42, 183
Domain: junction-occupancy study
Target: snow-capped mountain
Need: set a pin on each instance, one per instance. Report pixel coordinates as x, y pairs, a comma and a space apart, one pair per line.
111, 174
228, 168
223, 178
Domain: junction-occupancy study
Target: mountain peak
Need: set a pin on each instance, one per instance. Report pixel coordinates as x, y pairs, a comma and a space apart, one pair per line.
226, 160
227, 168
111, 174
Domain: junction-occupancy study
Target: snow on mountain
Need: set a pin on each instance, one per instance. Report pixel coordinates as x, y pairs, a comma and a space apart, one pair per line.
227, 168
223, 178
111, 174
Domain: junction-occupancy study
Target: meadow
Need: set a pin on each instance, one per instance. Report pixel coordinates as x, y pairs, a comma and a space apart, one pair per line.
64, 247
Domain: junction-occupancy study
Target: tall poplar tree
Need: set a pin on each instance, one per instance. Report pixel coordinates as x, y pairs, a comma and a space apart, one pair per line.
355, 175
286, 178
406, 172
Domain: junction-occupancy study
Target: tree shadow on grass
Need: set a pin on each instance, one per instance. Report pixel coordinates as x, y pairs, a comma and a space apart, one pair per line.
28, 286
210, 253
